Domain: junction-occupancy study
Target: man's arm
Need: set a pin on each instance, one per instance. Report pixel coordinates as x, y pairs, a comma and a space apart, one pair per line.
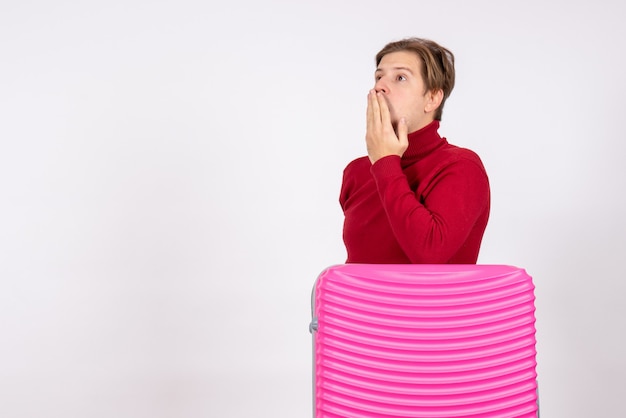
434, 230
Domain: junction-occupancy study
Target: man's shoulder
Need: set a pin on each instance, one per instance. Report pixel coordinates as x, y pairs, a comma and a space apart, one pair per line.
457, 154
358, 164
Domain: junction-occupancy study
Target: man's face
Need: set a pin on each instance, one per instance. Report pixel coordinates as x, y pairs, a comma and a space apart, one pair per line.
399, 78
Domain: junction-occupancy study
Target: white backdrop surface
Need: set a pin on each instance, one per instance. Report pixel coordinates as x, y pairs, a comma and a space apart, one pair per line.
169, 175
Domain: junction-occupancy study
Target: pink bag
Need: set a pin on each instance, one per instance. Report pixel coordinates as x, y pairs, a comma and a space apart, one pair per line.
424, 341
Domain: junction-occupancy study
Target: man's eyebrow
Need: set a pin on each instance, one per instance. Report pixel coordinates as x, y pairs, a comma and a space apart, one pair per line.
407, 69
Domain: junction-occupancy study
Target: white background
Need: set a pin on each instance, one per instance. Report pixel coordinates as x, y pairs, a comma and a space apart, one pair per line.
169, 175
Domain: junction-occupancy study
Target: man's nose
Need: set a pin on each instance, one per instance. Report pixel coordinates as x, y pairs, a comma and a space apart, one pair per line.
381, 86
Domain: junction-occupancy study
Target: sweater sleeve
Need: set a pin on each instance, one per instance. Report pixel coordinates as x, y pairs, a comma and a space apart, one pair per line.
432, 228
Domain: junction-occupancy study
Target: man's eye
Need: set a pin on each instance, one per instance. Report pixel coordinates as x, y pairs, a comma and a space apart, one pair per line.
401, 78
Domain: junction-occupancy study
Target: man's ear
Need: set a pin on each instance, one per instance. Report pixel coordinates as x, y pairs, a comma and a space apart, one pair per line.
433, 100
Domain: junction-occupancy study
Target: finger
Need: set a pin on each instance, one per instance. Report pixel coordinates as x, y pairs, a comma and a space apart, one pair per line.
375, 106
385, 116
370, 111
403, 132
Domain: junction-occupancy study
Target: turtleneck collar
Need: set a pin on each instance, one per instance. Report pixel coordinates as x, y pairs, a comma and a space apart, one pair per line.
422, 142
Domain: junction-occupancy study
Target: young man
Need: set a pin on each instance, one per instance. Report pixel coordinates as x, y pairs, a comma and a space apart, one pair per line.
415, 198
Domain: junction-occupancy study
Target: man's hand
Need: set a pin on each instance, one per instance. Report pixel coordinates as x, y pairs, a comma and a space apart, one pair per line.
380, 137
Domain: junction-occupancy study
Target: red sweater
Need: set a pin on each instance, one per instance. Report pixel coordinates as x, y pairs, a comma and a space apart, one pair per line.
429, 207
